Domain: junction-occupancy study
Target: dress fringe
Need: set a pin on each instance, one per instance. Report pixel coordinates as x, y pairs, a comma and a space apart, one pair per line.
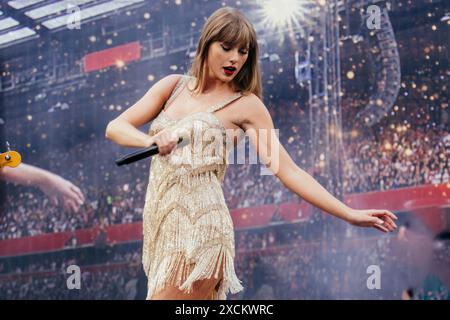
180, 271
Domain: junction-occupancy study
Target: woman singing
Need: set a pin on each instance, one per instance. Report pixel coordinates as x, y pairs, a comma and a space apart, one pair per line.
188, 246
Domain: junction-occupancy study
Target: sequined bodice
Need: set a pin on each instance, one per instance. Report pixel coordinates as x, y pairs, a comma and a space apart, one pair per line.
209, 143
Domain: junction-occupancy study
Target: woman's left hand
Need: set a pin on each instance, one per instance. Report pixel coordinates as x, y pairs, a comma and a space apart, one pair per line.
382, 220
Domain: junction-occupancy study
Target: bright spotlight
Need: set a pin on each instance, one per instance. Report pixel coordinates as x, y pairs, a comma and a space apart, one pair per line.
279, 14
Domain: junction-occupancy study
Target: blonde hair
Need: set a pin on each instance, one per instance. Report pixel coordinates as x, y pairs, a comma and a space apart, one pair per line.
229, 25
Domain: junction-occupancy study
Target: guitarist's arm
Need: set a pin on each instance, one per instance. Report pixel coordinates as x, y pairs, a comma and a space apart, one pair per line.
24, 174
58, 189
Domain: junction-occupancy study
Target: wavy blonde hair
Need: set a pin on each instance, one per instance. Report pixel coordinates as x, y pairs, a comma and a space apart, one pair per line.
231, 26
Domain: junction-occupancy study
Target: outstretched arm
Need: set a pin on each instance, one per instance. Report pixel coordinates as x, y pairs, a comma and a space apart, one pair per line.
258, 125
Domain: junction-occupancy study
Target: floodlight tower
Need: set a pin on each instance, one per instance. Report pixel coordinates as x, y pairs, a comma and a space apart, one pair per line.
317, 69
324, 98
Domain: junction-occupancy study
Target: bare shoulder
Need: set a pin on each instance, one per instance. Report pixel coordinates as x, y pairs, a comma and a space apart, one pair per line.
168, 83
162, 89
149, 106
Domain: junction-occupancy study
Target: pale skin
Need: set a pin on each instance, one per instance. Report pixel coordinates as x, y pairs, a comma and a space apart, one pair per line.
59, 190
247, 114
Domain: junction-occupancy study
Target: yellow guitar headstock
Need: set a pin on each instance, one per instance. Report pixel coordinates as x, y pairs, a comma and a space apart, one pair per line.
10, 158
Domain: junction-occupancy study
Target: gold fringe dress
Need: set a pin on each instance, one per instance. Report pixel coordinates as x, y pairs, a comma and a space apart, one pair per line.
187, 228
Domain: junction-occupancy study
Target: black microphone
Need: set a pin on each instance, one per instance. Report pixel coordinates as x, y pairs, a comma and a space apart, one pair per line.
147, 152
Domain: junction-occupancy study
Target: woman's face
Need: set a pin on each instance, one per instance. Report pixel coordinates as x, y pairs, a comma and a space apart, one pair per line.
223, 56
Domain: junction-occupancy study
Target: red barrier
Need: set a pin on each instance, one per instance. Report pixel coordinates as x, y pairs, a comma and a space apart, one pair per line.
58, 241
404, 199
253, 216
112, 57
293, 212
35, 244
427, 202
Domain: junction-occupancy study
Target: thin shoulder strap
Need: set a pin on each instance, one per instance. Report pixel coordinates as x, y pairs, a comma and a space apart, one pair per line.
176, 91
227, 101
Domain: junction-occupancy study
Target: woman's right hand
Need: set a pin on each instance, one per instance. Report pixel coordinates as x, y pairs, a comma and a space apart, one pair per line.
166, 140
